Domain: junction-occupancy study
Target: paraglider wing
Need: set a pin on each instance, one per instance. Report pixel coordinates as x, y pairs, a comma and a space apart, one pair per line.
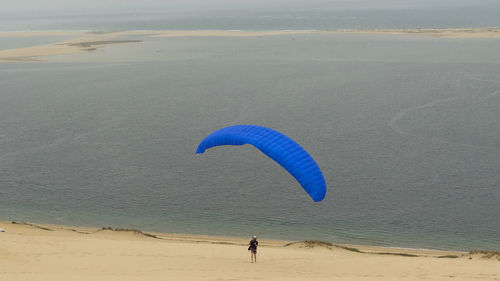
278, 147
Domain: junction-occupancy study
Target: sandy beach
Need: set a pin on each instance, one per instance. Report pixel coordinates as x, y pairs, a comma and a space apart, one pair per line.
91, 41
49, 252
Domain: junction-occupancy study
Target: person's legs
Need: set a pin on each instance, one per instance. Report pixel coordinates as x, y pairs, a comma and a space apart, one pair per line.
254, 256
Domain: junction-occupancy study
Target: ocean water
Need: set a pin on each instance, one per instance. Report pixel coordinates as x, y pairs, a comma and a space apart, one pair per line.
323, 15
405, 129
21, 42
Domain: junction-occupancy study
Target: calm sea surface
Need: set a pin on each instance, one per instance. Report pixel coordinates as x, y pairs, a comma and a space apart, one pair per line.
318, 15
21, 42
406, 130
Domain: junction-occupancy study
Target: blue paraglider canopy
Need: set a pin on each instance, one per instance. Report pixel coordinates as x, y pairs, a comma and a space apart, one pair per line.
278, 147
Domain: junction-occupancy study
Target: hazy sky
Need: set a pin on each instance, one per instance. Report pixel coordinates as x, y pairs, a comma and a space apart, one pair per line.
117, 6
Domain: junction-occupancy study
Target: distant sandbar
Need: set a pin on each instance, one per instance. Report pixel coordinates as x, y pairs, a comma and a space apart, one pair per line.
89, 41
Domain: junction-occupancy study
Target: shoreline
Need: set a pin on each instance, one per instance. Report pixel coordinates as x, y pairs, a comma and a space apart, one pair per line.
87, 41
50, 252
199, 238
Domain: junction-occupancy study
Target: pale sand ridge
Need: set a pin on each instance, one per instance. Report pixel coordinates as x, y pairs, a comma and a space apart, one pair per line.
90, 41
81, 43
47, 252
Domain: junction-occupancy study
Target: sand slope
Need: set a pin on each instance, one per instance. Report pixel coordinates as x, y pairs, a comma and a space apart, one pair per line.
29, 252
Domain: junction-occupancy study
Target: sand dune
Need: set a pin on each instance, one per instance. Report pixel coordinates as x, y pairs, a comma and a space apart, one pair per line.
46, 252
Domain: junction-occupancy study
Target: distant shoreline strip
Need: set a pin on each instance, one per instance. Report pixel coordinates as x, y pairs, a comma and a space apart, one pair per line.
85, 41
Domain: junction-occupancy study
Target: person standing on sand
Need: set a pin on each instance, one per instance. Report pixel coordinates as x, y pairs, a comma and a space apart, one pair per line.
253, 248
